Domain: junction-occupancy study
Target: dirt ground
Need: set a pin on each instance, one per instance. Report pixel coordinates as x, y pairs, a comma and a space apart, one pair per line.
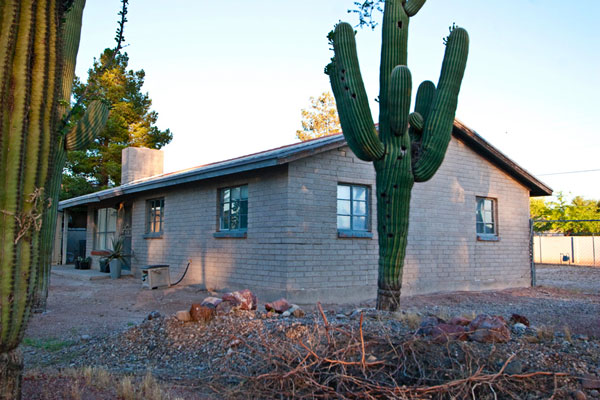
85, 319
567, 296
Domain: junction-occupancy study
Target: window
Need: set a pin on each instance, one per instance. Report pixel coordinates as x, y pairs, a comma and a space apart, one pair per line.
352, 208
486, 217
154, 217
233, 208
105, 228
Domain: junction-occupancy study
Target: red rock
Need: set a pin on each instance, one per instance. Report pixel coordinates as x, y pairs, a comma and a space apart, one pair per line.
211, 302
279, 306
428, 325
443, 333
489, 329
460, 321
244, 299
199, 312
516, 318
590, 381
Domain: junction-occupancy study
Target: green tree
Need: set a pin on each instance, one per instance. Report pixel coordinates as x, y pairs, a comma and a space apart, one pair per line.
559, 209
321, 119
131, 123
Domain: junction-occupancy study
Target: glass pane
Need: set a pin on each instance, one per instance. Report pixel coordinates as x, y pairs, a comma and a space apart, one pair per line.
226, 207
359, 208
225, 221
111, 220
480, 227
235, 207
359, 193
343, 222
244, 194
343, 192
225, 195
343, 207
234, 222
244, 207
487, 205
109, 241
101, 220
243, 221
235, 193
489, 228
487, 217
359, 223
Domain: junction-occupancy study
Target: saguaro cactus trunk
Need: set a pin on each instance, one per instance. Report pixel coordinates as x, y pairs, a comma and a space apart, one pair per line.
78, 138
408, 147
33, 43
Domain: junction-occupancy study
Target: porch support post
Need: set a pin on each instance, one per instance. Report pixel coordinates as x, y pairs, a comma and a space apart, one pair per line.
65, 235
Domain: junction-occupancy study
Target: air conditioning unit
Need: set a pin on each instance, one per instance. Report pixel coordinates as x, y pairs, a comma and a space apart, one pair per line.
156, 276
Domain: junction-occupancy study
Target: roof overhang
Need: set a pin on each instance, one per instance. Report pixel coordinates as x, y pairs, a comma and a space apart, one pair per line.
287, 154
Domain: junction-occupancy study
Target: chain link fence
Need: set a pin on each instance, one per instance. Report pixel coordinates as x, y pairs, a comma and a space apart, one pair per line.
564, 242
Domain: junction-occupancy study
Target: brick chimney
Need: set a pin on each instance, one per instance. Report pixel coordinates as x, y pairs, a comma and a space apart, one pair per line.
140, 162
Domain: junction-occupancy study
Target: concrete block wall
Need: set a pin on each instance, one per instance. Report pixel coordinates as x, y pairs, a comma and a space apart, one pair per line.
443, 252
323, 267
292, 247
190, 220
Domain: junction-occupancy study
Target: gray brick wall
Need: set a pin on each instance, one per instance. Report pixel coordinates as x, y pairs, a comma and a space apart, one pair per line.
292, 247
443, 252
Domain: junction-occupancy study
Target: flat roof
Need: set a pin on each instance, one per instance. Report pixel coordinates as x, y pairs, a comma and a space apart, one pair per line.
285, 154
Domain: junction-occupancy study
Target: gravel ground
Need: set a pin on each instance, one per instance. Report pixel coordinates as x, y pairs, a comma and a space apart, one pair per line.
103, 323
581, 279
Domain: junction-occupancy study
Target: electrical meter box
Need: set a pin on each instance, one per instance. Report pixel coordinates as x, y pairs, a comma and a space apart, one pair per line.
155, 276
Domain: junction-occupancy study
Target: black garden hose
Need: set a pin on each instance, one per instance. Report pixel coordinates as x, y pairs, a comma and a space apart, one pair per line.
185, 272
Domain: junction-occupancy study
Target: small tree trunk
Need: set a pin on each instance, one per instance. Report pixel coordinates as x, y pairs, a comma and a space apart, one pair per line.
11, 374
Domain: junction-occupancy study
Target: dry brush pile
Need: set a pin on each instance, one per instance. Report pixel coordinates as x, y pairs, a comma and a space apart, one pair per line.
324, 360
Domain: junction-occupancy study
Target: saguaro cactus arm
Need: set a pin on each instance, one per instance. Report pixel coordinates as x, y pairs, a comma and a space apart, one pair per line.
440, 119
349, 91
88, 127
412, 7
399, 101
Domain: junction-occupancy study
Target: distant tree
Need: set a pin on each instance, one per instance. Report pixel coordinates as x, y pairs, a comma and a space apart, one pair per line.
131, 124
321, 119
559, 209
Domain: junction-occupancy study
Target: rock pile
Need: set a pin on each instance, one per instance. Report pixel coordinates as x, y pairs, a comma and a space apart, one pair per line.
484, 329
243, 300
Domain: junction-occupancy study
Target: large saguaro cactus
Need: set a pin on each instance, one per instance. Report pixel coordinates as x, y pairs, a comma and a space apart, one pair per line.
78, 138
33, 44
401, 153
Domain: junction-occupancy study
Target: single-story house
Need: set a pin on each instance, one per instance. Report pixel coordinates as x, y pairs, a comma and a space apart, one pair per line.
300, 221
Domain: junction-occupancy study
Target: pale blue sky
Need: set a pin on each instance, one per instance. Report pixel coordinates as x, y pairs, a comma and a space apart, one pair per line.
230, 78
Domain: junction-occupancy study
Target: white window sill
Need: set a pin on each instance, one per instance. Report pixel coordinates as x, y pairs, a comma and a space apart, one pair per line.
348, 234
487, 238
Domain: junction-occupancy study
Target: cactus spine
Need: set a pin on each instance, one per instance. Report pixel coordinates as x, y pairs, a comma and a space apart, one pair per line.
34, 43
409, 147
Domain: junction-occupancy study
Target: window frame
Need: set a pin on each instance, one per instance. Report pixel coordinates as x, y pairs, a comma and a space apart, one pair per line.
486, 236
239, 231
353, 232
106, 232
151, 219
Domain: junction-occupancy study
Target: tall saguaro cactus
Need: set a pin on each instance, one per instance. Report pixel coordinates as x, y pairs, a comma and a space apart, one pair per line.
34, 42
401, 153
78, 138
